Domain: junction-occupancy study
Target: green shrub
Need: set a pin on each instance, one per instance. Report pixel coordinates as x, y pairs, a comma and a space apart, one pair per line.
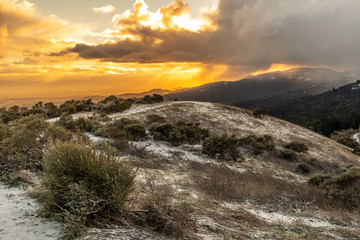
259, 144
155, 98
303, 168
177, 136
154, 118
179, 132
297, 147
3, 131
125, 128
54, 133
112, 104
162, 131
87, 125
345, 189
22, 146
84, 184
67, 121
319, 179
224, 147
135, 132
288, 154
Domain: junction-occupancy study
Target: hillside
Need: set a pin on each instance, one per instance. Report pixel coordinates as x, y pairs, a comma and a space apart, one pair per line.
182, 193
294, 83
333, 110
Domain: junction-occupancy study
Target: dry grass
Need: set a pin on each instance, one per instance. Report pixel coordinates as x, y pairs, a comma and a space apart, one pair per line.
223, 183
159, 213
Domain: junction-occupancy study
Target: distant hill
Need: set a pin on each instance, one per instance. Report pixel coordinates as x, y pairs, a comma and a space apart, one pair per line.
294, 83
142, 94
333, 110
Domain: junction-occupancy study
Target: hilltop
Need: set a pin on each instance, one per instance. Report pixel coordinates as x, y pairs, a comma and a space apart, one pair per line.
261, 192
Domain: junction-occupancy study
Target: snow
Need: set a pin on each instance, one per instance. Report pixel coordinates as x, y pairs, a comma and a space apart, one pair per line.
356, 137
52, 120
19, 217
94, 138
275, 217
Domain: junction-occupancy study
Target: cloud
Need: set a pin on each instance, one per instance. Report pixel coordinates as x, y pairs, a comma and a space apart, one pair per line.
23, 29
105, 9
246, 35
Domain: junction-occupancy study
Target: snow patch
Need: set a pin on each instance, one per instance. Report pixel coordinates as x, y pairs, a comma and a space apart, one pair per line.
356, 137
285, 219
19, 217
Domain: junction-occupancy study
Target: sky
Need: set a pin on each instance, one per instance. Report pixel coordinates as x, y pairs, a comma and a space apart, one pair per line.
101, 47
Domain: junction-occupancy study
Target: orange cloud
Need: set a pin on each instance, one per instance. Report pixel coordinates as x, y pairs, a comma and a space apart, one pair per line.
25, 32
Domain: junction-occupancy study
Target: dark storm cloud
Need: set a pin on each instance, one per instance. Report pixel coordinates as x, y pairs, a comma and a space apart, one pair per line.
250, 34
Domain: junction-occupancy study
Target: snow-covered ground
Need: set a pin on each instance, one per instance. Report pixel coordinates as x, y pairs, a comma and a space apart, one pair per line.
356, 137
19, 220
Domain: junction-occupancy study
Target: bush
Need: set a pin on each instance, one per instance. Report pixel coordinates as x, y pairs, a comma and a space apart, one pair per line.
55, 133
112, 104
319, 179
259, 113
88, 125
135, 132
22, 146
259, 144
84, 183
3, 131
303, 168
223, 147
179, 132
345, 137
155, 98
288, 154
345, 189
154, 118
67, 121
125, 128
297, 147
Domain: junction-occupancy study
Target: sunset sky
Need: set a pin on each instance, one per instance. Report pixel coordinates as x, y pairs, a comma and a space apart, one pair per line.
100, 47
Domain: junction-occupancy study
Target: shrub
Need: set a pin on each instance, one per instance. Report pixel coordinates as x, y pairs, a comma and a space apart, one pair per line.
259, 113
126, 128
345, 189
54, 133
135, 132
3, 131
224, 147
179, 132
155, 98
194, 133
112, 104
67, 121
297, 147
84, 183
259, 144
288, 154
303, 168
88, 125
345, 137
22, 146
319, 179
154, 118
